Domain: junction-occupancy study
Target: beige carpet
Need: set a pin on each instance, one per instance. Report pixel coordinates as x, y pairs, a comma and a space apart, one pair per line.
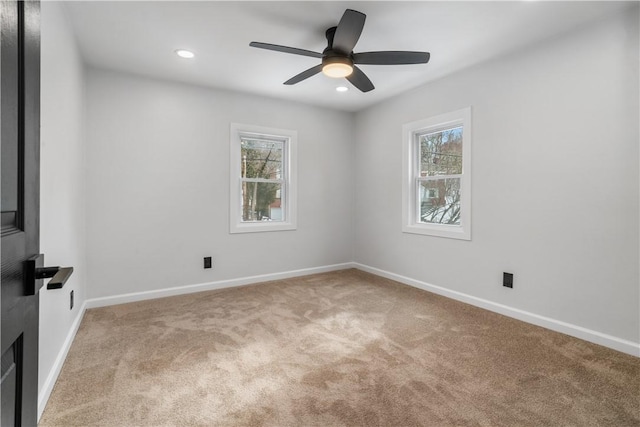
342, 348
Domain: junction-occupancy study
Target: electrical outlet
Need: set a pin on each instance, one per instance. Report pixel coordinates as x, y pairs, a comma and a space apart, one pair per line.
507, 280
207, 262
71, 300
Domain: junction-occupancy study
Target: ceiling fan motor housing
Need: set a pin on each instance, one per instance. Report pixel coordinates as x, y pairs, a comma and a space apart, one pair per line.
329, 34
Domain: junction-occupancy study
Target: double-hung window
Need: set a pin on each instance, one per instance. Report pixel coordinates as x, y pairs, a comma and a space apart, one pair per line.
437, 175
262, 179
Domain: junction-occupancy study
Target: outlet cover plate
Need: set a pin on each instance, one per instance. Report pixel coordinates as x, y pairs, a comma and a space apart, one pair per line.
507, 280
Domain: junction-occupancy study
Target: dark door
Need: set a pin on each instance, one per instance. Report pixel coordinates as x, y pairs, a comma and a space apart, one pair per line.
20, 140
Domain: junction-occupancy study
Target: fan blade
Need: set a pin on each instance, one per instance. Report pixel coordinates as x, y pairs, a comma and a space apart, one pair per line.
286, 49
348, 31
304, 75
360, 80
391, 58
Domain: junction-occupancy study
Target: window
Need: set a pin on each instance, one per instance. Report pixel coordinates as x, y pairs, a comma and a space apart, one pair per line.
436, 188
262, 179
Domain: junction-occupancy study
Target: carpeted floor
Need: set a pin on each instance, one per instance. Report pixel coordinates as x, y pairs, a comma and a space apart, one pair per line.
341, 348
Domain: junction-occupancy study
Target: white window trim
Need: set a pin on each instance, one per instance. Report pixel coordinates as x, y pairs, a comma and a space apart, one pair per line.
235, 183
410, 209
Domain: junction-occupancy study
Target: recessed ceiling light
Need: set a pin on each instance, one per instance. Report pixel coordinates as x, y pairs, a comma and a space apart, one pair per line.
183, 53
342, 89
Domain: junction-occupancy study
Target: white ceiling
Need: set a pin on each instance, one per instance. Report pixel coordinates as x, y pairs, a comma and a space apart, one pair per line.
140, 37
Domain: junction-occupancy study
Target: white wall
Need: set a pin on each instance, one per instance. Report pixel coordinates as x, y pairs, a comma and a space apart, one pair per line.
555, 181
158, 176
62, 191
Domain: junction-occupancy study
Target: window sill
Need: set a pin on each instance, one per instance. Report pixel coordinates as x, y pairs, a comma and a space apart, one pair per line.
438, 230
259, 227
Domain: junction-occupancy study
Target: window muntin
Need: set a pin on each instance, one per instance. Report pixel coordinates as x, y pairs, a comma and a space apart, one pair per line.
437, 170
262, 179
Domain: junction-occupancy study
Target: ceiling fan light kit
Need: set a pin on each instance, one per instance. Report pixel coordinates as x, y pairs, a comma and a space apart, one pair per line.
337, 66
338, 59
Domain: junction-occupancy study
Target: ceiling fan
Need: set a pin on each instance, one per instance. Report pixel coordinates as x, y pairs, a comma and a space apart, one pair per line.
338, 59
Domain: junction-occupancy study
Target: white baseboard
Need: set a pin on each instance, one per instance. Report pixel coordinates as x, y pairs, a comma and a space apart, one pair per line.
221, 284
625, 346
47, 388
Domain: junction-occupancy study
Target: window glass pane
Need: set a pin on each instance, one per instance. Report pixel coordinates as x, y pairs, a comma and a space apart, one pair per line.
261, 158
261, 201
440, 201
441, 152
